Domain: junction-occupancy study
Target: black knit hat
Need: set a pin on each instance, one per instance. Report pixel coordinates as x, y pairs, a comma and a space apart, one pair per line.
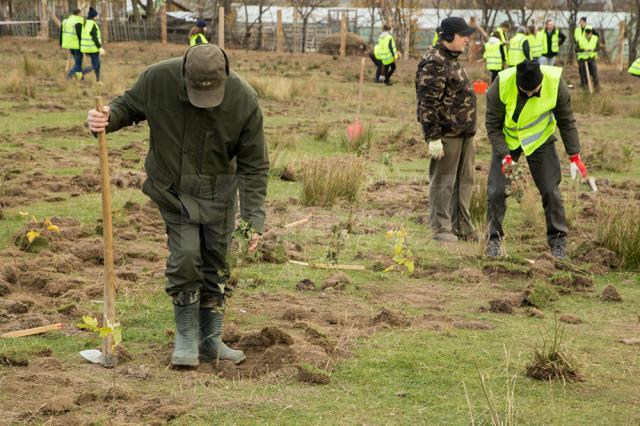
528, 75
92, 13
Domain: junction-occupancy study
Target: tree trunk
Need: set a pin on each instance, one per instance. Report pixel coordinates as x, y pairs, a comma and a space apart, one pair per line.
259, 35
136, 12
634, 38
305, 20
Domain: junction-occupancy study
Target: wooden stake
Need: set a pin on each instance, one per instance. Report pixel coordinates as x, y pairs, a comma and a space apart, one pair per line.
32, 331
279, 34
163, 23
328, 266
104, 22
221, 27
296, 223
109, 317
589, 82
621, 30
360, 88
343, 35
43, 12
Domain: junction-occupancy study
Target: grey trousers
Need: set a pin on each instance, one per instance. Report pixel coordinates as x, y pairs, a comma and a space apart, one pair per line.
198, 257
545, 169
450, 187
547, 60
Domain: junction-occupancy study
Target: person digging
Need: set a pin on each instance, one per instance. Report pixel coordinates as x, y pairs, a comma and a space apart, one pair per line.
206, 144
525, 104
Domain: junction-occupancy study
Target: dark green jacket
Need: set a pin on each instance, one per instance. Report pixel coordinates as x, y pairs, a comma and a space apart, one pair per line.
496, 111
198, 158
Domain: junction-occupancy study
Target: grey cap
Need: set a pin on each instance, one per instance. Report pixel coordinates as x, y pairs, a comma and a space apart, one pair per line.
206, 69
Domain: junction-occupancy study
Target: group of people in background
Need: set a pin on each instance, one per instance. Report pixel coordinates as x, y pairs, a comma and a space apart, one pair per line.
81, 36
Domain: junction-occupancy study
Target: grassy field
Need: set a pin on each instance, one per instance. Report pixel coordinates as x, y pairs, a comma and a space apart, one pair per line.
448, 343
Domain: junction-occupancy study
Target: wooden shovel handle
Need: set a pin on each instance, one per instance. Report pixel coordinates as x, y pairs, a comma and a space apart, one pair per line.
109, 316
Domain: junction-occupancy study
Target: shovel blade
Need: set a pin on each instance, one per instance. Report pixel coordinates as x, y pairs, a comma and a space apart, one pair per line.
355, 130
92, 355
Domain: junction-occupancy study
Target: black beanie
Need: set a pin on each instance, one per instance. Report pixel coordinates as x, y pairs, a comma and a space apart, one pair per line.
92, 13
528, 75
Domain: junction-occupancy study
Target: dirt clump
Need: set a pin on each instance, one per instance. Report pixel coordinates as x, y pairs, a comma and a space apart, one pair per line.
129, 179
294, 314
288, 173
603, 257
317, 338
92, 251
306, 285
85, 398
570, 319
544, 266
313, 375
473, 325
337, 281
59, 405
538, 295
392, 318
14, 360
117, 393
267, 337
534, 312
611, 294
5, 289
137, 372
503, 306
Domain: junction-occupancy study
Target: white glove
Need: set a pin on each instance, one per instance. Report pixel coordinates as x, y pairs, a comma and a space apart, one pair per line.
436, 150
102, 51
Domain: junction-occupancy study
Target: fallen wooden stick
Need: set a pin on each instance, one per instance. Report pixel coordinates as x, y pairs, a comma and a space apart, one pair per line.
328, 266
32, 331
296, 223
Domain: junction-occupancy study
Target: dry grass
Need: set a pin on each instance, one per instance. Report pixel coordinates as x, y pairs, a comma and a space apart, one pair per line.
275, 88
551, 361
611, 156
282, 139
327, 180
17, 84
361, 145
478, 204
531, 205
586, 103
321, 132
618, 229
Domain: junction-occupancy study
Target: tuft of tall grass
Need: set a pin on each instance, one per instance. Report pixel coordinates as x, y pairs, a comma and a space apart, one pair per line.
531, 205
327, 180
478, 204
618, 229
551, 360
29, 66
585, 103
282, 139
321, 132
17, 84
275, 88
613, 157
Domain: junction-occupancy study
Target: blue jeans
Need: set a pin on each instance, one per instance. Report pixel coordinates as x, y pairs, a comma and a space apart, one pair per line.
77, 62
95, 65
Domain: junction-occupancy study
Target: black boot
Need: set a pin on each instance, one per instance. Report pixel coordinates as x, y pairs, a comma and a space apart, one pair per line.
185, 309
212, 347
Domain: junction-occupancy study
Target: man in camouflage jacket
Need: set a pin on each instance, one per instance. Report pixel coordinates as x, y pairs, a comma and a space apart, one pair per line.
447, 112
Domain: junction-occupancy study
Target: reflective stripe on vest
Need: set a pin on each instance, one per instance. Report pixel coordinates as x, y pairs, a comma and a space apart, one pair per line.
382, 52
516, 54
535, 46
536, 122
86, 44
589, 48
555, 41
634, 69
492, 57
69, 35
194, 39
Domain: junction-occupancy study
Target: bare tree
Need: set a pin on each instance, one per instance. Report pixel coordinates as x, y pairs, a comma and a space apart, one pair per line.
305, 8
398, 14
438, 6
524, 10
263, 7
373, 7
489, 10
634, 30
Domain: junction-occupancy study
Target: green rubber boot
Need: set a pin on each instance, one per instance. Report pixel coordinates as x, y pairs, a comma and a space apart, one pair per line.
185, 309
212, 347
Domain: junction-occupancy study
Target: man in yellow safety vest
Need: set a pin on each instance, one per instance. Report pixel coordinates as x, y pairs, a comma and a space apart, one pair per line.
70, 36
587, 58
524, 106
384, 56
91, 42
519, 48
197, 33
552, 38
535, 43
634, 69
494, 55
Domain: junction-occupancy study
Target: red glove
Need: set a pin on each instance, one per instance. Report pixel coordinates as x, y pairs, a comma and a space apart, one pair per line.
507, 162
577, 164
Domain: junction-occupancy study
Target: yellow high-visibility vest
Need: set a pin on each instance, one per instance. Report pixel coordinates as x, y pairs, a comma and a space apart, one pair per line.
86, 44
69, 35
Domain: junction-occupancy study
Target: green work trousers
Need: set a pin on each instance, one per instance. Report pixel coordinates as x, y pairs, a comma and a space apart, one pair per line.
198, 256
450, 187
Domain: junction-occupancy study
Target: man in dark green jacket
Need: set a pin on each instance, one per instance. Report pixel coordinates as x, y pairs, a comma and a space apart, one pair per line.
206, 143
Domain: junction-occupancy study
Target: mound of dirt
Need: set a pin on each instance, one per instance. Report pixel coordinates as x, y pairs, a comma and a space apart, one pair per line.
129, 179
392, 318
611, 294
544, 266
59, 405
267, 337
603, 257
536, 313
570, 319
331, 45
310, 374
503, 306
337, 281
306, 285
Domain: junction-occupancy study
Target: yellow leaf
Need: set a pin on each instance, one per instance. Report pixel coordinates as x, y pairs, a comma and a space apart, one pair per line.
47, 222
390, 268
410, 266
389, 234
33, 219
90, 321
53, 228
23, 213
32, 235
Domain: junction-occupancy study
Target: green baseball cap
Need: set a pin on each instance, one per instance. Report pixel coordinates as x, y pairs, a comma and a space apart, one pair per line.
206, 69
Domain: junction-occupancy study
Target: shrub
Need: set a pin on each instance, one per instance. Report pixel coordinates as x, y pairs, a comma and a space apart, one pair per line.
618, 229
321, 132
586, 103
275, 88
327, 180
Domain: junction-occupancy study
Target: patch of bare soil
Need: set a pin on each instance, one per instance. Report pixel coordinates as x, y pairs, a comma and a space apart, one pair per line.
396, 198
309, 374
391, 318
503, 306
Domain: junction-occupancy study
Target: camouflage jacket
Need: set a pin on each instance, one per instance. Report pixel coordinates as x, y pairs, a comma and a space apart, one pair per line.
446, 101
